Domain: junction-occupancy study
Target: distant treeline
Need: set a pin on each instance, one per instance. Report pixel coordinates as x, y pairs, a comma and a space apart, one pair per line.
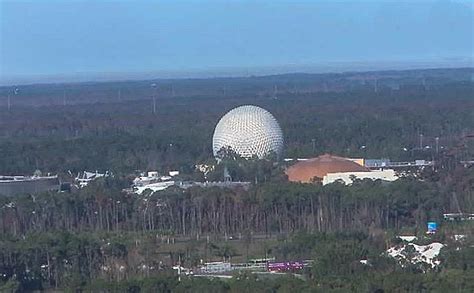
126, 136
272, 207
231, 87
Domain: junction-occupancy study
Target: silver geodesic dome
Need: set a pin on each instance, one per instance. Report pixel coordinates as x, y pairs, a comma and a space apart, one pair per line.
249, 131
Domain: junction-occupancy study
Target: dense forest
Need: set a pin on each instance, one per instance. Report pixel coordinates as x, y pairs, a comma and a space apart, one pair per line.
85, 262
126, 135
272, 207
102, 239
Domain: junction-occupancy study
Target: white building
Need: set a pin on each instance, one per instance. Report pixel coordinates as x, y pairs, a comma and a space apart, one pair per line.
153, 181
346, 177
157, 186
216, 267
83, 179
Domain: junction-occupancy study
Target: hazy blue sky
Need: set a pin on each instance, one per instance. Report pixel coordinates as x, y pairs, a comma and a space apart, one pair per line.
55, 37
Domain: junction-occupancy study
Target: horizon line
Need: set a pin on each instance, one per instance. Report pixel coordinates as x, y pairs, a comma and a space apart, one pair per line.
233, 72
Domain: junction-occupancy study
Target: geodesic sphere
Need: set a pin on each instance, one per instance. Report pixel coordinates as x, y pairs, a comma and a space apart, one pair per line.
249, 131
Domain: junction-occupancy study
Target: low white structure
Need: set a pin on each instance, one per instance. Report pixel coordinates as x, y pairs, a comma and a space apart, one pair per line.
12, 185
423, 253
173, 173
408, 238
347, 177
183, 270
459, 237
84, 178
157, 186
216, 267
153, 181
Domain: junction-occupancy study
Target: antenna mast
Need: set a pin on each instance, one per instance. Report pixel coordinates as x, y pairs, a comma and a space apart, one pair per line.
437, 145
153, 85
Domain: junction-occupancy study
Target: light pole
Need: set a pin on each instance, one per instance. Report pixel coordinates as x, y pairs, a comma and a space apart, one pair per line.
153, 85
9, 102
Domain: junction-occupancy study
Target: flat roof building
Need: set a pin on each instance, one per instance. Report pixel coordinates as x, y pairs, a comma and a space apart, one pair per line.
13, 185
328, 169
314, 169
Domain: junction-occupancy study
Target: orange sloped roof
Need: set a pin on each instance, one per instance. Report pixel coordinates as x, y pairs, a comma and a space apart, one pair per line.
305, 171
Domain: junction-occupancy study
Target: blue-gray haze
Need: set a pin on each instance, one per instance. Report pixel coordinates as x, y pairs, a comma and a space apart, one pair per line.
70, 37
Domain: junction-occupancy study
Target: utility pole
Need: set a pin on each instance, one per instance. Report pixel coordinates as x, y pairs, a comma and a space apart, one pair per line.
153, 85
313, 141
437, 145
9, 102
421, 141
179, 267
